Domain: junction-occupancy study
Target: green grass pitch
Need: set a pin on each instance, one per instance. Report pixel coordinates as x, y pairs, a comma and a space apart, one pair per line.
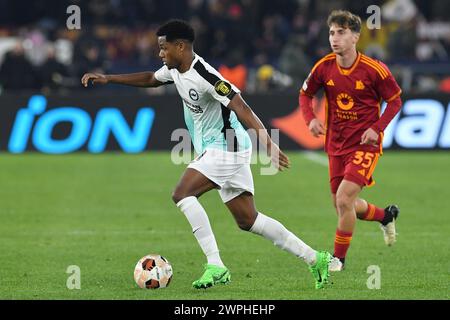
104, 212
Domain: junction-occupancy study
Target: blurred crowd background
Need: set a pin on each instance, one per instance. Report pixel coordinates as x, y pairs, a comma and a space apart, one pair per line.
259, 45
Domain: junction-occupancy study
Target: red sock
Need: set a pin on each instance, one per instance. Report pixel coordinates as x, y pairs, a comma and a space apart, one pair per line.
341, 243
373, 213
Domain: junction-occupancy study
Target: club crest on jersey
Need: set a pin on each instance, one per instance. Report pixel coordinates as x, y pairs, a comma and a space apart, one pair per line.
193, 94
222, 87
359, 85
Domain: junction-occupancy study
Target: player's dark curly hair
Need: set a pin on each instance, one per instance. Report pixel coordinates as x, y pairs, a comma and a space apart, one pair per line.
345, 19
176, 29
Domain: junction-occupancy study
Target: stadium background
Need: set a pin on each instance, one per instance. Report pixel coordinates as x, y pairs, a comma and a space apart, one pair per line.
93, 210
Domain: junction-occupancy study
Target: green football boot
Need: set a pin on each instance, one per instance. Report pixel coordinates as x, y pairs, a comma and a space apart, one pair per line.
213, 275
320, 268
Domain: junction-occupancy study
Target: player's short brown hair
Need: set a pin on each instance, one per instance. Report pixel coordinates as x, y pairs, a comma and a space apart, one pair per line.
345, 19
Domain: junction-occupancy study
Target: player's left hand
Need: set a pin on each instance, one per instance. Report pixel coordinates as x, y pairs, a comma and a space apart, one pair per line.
278, 158
369, 137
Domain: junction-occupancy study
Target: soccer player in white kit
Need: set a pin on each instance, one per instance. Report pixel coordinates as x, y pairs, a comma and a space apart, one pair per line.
214, 110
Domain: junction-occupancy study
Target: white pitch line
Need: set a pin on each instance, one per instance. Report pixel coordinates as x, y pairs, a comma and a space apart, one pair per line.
315, 157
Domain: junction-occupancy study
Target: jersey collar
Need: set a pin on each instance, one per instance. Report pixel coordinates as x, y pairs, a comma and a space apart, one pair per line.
346, 72
192, 63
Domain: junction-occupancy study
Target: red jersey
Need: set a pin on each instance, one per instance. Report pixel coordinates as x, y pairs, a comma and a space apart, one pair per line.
353, 98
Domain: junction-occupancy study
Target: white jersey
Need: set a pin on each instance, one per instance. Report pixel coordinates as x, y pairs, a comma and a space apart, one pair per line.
206, 95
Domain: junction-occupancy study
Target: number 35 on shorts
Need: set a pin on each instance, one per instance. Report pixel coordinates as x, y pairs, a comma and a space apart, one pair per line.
366, 160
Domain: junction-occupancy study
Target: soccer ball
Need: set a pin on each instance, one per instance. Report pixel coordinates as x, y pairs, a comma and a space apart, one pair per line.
153, 271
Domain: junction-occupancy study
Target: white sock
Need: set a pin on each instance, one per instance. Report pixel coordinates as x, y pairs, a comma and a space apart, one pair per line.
201, 228
274, 231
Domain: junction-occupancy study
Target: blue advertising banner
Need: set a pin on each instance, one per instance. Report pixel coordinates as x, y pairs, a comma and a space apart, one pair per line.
132, 124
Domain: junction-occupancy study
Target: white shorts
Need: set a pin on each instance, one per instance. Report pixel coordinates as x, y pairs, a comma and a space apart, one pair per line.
229, 170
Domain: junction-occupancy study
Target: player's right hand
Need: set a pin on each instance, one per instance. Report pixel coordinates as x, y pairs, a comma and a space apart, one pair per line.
278, 158
94, 78
316, 128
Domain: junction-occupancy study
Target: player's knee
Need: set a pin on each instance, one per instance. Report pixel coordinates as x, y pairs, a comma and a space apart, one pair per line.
246, 223
343, 203
178, 195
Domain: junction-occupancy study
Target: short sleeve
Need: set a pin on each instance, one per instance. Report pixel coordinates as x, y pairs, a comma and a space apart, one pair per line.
217, 86
222, 91
163, 75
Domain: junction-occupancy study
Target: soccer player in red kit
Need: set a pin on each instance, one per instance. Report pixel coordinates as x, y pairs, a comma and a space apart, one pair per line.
354, 85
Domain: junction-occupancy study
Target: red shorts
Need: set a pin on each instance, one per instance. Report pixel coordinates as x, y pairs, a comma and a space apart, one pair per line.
356, 166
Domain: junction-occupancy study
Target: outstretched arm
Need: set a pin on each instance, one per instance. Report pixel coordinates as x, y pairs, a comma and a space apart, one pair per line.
246, 115
140, 79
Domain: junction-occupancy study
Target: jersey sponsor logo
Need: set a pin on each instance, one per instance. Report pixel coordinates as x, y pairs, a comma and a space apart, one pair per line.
344, 101
193, 107
359, 85
193, 94
330, 83
346, 115
222, 87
